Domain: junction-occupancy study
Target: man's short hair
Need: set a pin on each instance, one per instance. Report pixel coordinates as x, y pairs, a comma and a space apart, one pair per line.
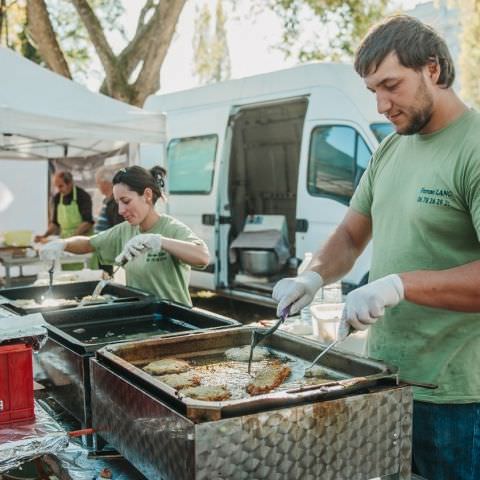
66, 177
105, 174
415, 44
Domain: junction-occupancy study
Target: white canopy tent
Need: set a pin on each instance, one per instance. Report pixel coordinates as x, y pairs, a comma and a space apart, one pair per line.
44, 115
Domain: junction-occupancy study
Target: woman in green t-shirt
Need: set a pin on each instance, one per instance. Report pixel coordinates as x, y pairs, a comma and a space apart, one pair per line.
156, 250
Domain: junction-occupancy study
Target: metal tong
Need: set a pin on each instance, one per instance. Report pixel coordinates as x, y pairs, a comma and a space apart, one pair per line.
118, 266
103, 282
49, 293
330, 346
258, 335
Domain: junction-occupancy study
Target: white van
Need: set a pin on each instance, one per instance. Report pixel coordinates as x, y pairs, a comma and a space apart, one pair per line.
281, 151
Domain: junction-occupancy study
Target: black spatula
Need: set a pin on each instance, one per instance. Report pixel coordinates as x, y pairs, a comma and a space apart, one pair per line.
258, 335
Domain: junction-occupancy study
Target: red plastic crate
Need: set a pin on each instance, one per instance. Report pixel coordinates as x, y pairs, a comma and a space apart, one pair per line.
16, 383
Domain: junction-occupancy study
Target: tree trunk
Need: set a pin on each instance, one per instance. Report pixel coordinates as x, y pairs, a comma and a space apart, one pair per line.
114, 76
158, 40
44, 37
146, 52
148, 49
3, 11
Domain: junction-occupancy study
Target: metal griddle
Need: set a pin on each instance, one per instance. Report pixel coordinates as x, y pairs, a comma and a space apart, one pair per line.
86, 330
75, 334
356, 427
118, 294
346, 373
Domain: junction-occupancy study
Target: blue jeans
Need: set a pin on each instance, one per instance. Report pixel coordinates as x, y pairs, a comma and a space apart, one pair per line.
446, 441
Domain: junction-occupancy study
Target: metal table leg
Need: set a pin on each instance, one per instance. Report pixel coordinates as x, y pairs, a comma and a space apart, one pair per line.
8, 279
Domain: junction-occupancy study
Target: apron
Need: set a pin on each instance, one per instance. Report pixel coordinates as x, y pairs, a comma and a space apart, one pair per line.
69, 218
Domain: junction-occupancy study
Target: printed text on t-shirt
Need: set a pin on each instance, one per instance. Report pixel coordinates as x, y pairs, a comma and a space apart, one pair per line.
435, 196
156, 257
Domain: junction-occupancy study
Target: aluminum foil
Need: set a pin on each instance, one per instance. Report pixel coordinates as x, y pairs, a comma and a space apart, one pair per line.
20, 442
29, 329
75, 463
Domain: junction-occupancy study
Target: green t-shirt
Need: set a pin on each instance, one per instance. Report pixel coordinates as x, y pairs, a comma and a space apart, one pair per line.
158, 273
422, 193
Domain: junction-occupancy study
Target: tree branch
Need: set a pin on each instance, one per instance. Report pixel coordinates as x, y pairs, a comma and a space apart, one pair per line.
149, 46
158, 40
41, 31
104, 51
136, 50
143, 13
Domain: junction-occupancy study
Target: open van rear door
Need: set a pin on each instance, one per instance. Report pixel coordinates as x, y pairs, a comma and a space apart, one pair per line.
193, 177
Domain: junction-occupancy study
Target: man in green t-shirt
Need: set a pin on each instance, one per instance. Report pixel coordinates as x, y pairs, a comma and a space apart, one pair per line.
419, 203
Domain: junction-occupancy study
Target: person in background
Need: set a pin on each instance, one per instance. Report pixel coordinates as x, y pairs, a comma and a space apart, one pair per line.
157, 250
419, 203
72, 209
108, 216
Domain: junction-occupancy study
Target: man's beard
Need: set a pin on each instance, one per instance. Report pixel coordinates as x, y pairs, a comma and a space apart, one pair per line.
419, 117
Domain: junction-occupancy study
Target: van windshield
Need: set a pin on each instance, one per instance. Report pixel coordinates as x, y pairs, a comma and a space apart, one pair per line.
381, 130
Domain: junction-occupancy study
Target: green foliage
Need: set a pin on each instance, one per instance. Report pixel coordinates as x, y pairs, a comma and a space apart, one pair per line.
12, 22
70, 30
73, 36
220, 53
340, 25
211, 55
201, 42
470, 50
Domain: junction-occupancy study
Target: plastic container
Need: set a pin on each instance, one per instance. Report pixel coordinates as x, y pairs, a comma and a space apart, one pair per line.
16, 383
332, 293
18, 238
305, 313
325, 320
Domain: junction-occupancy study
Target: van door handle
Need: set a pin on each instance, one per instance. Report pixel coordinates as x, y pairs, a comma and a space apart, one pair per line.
209, 219
301, 225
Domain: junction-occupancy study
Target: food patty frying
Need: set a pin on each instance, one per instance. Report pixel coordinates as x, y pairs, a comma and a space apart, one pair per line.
207, 393
181, 380
268, 379
166, 366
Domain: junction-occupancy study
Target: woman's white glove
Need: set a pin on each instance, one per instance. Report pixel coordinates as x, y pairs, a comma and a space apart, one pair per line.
365, 305
52, 251
297, 291
139, 245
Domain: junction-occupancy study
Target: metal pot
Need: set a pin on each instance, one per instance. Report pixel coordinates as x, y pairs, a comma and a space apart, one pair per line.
259, 262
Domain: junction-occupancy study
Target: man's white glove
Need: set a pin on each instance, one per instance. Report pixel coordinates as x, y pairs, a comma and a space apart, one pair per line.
365, 305
139, 245
52, 251
297, 291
